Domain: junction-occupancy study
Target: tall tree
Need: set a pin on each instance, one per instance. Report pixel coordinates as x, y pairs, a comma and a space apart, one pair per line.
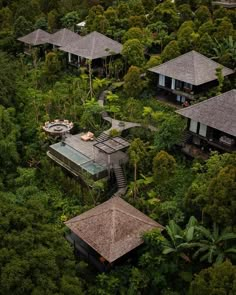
133, 84
163, 167
133, 52
216, 280
8, 72
137, 153
171, 51
213, 192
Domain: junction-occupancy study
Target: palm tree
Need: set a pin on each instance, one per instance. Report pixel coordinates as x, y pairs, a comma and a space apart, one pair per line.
214, 245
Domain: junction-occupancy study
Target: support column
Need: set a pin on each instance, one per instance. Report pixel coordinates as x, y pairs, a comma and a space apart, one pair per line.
173, 84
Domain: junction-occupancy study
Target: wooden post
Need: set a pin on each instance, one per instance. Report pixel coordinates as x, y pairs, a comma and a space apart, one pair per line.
90, 78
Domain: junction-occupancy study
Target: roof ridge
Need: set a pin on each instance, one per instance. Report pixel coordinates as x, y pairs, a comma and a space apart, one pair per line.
193, 52
205, 101
171, 60
138, 218
37, 35
63, 34
210, 59
92, 215
93, 46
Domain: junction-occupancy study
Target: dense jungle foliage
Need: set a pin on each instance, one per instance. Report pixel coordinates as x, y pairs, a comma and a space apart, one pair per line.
194, 199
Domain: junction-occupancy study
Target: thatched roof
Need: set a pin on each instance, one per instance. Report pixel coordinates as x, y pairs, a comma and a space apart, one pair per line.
64, 37
218, 112
113, 228
191, 67
36, 37
93, 45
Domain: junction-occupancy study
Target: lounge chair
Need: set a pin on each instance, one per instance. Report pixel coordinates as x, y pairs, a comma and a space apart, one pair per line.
87, 136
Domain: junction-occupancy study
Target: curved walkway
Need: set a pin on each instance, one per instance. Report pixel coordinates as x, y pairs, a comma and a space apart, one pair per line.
118, 124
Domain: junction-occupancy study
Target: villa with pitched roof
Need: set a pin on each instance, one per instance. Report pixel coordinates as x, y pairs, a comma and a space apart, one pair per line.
92, 46
35, 38
188, 76
109, 231
211, 124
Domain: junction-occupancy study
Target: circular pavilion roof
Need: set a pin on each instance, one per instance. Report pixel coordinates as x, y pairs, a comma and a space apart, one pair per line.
58, 127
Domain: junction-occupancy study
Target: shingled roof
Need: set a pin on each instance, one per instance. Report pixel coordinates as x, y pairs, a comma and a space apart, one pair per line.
113, 228
36, 37
93, 45
191, 67
218, 112
64, 37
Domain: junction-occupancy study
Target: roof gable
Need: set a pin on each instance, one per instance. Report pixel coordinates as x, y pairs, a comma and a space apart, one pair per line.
218, 112
94, 45
191, 67
113, 228
36, 37
64, 37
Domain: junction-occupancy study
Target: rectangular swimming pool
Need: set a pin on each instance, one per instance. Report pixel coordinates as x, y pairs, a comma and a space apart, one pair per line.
68, 154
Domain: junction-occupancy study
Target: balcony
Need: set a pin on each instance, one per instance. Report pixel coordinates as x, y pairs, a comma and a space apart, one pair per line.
222, 142
186, 92
183, 91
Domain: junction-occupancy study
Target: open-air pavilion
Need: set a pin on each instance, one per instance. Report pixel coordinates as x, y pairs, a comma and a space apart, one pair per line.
109, 231
92, 46
35, 38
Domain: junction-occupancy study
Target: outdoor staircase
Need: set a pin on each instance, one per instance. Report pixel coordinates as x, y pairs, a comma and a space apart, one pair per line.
102, 137
120, 177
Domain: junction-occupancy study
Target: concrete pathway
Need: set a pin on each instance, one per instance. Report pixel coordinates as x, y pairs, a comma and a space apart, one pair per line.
118, 124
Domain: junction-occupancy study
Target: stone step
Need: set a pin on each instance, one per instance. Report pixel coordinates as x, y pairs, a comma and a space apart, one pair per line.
120, 178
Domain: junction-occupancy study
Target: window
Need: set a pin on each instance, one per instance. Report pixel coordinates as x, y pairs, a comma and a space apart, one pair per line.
161, 80
180, 98
173, 83
178, 84
203, 130
188, 85
193, 126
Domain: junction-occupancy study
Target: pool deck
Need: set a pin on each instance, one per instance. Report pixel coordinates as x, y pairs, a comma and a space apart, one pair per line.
84, 147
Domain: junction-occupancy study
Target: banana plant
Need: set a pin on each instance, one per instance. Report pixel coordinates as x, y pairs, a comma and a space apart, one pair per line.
179, 240
215, 246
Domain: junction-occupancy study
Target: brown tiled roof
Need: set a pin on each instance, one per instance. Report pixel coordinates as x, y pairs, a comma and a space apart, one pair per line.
64, 37
36, 37
218, 112
93, 45
113, 228
191, 67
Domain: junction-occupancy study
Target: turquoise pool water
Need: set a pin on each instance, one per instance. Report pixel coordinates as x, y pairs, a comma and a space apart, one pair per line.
78, 158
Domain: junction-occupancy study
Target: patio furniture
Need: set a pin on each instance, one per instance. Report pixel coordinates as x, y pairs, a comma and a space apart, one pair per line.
87, 136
